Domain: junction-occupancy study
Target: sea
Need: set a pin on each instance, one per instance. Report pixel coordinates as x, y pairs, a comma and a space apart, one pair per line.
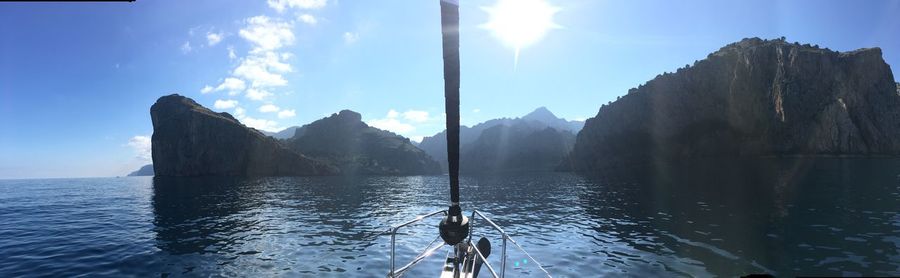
785, 217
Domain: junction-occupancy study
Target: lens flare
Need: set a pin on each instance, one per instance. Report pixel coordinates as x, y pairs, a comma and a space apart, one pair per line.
520, 23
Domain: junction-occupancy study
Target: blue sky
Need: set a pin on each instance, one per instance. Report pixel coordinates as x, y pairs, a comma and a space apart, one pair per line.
77, 80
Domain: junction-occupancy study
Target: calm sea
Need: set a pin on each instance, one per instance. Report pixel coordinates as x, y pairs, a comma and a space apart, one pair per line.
784, 217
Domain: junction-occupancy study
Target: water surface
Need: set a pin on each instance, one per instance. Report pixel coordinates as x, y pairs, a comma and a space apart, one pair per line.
785, 217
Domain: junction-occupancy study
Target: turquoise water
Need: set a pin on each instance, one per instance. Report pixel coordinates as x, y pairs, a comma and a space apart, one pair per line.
791, 217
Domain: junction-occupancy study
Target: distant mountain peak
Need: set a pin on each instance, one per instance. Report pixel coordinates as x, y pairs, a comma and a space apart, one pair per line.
544, 116
540, 114
286, 133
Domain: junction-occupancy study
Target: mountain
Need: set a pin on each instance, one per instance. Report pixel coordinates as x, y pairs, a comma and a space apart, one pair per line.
147, 170
519, 146
503, 141
191, 140
286, 133
344, 140
543, 115
753, 98
436, 146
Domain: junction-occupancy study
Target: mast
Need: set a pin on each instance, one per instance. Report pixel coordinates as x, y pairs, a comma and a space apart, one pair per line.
450, 26
455, 227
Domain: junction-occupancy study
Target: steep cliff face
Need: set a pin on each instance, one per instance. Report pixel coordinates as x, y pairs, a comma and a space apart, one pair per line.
347, 142
190, 140
751, 98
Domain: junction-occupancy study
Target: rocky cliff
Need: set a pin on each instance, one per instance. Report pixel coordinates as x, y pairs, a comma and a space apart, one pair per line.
356, 148
190, 140
749, 99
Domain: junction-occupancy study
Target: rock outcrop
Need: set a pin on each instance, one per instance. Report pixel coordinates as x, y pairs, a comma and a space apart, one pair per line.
356, 148
190, 140
146, 170
752, 98
503, 145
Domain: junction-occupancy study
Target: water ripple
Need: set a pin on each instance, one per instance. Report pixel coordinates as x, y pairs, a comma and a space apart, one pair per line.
334, 226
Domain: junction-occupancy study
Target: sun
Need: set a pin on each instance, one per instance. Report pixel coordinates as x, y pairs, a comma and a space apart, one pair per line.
520, 23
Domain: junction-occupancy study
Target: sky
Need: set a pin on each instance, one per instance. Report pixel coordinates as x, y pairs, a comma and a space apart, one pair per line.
77, 79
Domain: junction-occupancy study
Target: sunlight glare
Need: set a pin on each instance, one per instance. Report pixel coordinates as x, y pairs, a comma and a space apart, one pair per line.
520, 23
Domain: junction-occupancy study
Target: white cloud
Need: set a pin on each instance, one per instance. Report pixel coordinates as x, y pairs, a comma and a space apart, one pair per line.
308, 19
476, 110
418, 139
269, 108
267, 34
206, 89
186, 47
257, 94
225, 104
281, 5
392, 114
286, 114
264, 65
392, 121
214, 38
231, 54
263, 70
350, 38
416, 116
142, 147
392, 124
261, 124
230, 84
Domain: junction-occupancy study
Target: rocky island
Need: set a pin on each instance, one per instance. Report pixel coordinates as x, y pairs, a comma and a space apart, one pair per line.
191, 140
753, 98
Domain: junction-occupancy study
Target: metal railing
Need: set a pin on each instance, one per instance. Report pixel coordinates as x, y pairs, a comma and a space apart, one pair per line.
430, 250
506, 238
